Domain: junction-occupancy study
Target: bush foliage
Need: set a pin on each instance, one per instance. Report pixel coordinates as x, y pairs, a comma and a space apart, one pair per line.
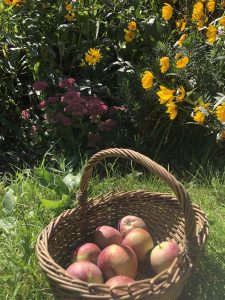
94, 74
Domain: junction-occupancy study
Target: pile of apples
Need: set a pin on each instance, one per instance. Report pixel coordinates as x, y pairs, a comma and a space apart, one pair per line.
115, 255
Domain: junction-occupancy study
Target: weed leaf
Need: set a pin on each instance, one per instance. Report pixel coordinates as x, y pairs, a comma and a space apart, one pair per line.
9, 201
51, 204
51, 181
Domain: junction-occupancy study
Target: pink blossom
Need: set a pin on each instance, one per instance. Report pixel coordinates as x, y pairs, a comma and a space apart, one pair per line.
93, 139
95, 106
71, 96
78, 109
40, 85
25, 114
67, 83
42, 104
107, 125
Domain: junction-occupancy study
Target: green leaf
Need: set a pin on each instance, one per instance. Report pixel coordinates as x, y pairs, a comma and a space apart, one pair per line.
9, 201
51, 204
51, 181
72, 181
7, 224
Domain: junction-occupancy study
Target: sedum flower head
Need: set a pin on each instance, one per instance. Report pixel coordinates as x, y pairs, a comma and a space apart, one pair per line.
211, 33
165, 95
132, 26
93, 56
129, 36
147, 80
182, 62
220, 112
167, 11
180, 94
164, 64
211, 5
171, 110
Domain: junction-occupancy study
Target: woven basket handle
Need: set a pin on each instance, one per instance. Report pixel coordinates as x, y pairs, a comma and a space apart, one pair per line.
152, 166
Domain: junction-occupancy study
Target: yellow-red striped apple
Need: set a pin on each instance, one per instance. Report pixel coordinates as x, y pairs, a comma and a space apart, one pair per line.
117, 260
88, 251
127, 223
107, 235
140, 241
163, 255
86, 271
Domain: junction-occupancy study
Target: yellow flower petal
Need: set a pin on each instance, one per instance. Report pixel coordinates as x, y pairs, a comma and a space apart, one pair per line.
164, 64
93, 56
181, 94
129, 36
147, 80
171, 110
132, 26
167, 11
211, 33
220, 112
182, 62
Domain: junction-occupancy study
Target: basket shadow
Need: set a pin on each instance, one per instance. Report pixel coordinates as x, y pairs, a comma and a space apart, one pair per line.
207, 281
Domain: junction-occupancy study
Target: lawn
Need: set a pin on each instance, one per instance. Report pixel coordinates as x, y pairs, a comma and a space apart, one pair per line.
23, 216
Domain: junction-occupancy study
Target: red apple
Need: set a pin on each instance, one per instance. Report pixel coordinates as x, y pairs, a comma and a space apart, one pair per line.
88, 251
86, 271
126, 224
117, 281
163, 255
117, 260
140, 241
107, 235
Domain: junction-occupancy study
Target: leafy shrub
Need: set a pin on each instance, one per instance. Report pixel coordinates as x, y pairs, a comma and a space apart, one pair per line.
154, 70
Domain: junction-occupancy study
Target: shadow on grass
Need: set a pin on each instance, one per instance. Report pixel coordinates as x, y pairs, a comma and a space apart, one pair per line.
208, 279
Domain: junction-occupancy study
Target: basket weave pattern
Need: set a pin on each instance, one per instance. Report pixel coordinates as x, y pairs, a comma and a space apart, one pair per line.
167, 218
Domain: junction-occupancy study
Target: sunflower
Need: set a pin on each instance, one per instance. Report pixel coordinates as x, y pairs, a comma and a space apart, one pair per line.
93, 56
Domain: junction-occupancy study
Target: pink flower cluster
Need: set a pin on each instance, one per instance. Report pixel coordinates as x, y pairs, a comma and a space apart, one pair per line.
107, 125
67, 83
25, 114
60, 118
80, 106
40, 85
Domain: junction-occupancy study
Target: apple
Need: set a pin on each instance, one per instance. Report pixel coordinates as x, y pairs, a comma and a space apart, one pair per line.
117, 281
117, 260
88, 251
107, 235
127, 223
140, 241
163, 255
86, 271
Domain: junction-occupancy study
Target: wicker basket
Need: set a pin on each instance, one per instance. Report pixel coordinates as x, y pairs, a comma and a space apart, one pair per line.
167, 217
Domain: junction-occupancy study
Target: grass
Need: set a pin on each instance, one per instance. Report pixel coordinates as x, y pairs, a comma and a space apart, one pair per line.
23, 216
